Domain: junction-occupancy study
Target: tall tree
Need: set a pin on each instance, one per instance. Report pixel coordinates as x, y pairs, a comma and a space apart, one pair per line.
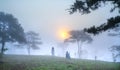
79, 37
87, 6
10, 30
115, 49
115, 52
33, 41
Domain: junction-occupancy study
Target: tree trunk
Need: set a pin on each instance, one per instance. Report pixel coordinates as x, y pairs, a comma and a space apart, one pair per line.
2, 49
78, 48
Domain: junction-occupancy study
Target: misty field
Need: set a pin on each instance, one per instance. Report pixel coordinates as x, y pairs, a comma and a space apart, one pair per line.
24, 62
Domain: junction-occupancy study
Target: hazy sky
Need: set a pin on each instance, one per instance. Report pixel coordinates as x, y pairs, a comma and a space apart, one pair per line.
47, 17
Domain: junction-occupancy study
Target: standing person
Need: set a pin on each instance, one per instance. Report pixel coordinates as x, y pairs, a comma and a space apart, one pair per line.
53, 51
67, 55
95, 57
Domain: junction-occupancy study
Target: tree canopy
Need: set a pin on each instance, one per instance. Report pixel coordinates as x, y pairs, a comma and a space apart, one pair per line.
115, 49
87, 6
111, 23
79, 36
33, 40
10, 30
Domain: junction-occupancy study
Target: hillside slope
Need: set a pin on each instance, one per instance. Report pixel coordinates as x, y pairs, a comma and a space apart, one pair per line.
24, 62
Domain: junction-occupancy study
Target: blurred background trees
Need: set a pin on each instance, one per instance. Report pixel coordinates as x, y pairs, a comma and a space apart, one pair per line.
113, 23
79, 37
33, 40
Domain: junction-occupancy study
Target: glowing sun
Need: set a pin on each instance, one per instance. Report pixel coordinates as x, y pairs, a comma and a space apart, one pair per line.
64, 33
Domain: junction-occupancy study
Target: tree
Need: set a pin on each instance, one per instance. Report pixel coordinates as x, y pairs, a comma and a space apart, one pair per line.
87, 6
115, 52
112, 23
33, 40
10, 30
116, 32
115, 49
79, 36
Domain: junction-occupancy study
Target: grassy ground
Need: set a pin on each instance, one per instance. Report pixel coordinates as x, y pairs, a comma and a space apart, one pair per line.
24, 62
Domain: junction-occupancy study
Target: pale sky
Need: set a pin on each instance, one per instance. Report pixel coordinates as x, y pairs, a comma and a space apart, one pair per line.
47, 17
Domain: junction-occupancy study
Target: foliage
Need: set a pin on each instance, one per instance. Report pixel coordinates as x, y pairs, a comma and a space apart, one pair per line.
87, 6
115, 52
79, 36
115, 49
111, 24
115, 32
33, 40
10, 30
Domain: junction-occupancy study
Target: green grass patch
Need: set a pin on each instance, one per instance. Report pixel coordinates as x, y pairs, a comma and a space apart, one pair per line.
25, 62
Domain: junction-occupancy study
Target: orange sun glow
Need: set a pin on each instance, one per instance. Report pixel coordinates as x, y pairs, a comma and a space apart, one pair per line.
63, 34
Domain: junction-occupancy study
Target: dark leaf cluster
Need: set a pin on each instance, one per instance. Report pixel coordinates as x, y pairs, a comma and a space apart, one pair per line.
86, 6
111, 23
10, 29
79, 35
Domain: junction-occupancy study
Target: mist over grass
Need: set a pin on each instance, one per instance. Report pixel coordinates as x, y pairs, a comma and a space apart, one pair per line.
36, 62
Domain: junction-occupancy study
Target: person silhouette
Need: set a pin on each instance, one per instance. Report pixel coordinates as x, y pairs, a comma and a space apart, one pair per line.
95, 57
67, 55
53, 51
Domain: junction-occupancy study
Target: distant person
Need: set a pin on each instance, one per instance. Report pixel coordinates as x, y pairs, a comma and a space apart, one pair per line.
95, 58
67, 55
114, 57
53, 51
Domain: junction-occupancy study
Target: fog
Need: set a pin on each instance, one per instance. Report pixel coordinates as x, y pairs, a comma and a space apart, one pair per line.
47, 17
